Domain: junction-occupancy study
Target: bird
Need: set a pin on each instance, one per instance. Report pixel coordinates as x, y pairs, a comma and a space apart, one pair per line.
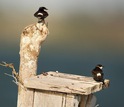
98, 74
41, 14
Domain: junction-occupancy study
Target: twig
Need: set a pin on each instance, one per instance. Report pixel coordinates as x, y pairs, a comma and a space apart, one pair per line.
15, 79
97, 105
14, 74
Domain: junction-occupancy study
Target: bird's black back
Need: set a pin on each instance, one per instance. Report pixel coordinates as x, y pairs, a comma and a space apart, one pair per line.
96, 71
41, 13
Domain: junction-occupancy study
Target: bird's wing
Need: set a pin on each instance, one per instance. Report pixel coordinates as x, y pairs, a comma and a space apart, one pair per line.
45, 14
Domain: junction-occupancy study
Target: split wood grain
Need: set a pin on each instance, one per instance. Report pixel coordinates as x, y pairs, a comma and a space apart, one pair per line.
83, 86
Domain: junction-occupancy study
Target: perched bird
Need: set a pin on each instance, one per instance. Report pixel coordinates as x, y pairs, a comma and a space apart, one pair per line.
41, 14
98, 73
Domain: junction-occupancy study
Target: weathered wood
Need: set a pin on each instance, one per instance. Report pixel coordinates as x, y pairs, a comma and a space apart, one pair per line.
31, 39
54, 99
75, 85
64, 90
77, 77
83, 101
91, 101
88, 101
47, 99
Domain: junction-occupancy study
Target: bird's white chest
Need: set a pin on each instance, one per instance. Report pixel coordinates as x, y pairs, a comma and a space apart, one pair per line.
98, 74
40, 14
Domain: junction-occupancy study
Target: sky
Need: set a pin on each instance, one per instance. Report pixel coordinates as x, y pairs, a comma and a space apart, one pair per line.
61, 6
83, 33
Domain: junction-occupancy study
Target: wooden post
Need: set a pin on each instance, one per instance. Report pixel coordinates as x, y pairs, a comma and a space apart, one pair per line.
31, 39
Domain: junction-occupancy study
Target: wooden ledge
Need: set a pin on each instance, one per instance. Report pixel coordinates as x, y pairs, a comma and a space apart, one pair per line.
67, 83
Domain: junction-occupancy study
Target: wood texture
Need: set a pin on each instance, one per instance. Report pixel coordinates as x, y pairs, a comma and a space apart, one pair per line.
47, 99
72, 84
91, 101
56, 99
88, 101
31, 39
53, 99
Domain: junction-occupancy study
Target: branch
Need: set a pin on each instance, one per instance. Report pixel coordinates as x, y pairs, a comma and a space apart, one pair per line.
14, 74
97, 105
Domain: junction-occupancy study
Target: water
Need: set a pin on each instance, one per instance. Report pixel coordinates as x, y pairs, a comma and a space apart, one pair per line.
111, 97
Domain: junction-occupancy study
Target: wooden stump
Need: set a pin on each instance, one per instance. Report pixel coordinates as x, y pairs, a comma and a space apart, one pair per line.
31, 39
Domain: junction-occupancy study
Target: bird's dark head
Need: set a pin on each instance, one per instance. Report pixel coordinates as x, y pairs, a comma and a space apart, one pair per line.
100, 66
42, 8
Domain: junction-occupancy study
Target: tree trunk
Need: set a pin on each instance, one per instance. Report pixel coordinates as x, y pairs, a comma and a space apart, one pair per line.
31, 39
